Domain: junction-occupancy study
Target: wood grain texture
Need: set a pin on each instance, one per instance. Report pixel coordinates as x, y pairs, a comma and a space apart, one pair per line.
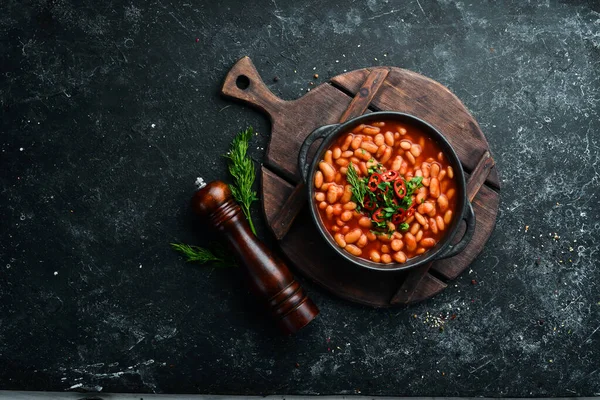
274, 192
289, 210
364, 95
429, 100
257, 93
299, 119
411, 284
403, 91
479, 175
429, 286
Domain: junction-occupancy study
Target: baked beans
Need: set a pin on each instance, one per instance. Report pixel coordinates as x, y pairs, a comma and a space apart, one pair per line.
385, 192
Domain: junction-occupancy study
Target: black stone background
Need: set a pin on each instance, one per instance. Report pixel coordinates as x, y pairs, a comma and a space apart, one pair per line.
110, 110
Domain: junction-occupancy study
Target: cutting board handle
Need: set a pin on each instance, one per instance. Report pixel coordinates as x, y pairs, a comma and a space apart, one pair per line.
244, 83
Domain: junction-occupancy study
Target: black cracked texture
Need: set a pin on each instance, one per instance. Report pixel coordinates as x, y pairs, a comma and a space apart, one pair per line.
111, 109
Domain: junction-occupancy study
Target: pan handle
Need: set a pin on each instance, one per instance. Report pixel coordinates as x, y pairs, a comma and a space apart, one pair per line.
454, 249
319, 133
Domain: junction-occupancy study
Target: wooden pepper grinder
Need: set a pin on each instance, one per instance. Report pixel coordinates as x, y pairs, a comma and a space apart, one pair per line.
269, 277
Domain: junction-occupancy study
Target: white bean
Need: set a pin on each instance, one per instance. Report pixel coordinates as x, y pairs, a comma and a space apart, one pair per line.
327, 170
318, 179
399, 257
352, 249
339, 239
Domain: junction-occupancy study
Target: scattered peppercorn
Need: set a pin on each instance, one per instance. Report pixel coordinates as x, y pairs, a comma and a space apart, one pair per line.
473, 282
276, 79
297, 365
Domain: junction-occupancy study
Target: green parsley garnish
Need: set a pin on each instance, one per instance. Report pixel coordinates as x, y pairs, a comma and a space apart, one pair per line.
413, 185
375, 169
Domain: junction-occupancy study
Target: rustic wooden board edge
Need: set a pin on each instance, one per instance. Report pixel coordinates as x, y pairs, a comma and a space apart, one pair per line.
434, 286
267, 175
365, 94
479, 175
411, 284
256, 93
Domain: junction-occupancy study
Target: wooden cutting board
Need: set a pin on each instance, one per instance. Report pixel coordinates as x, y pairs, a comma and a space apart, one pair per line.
344, 97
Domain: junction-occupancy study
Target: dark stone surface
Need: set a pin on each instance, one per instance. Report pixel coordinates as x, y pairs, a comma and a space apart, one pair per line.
110, 110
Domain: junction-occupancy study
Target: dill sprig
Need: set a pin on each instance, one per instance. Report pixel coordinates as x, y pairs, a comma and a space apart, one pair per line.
241, 169
202, 255
358, 186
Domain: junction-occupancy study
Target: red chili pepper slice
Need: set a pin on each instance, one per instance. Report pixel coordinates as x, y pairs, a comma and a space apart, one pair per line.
400, 188
378, 215
402, 215
369, 203
399, 217
389, 176
374, 181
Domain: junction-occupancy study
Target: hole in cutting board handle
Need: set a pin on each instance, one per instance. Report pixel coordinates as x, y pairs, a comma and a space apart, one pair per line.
242, 82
